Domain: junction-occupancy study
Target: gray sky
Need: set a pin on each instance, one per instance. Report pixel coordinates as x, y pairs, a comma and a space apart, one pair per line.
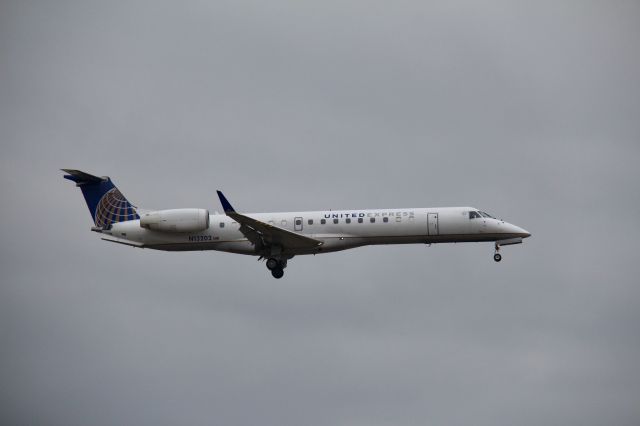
528, 110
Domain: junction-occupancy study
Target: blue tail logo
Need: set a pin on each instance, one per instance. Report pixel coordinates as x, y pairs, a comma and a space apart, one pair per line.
106, 203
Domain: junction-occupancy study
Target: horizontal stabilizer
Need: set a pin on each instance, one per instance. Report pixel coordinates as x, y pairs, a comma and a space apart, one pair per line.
81, 177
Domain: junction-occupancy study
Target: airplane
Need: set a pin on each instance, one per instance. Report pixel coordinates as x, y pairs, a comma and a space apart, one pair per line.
278, 237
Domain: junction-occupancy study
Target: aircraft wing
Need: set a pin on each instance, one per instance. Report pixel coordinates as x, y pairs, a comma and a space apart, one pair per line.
258, 231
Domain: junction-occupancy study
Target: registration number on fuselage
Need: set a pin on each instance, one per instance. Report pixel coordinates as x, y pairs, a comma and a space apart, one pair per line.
198, 238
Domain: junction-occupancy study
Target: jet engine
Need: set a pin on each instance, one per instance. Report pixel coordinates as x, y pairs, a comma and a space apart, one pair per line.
176, 220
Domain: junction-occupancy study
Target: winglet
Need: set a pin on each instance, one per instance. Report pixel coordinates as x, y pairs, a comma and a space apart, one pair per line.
226, 205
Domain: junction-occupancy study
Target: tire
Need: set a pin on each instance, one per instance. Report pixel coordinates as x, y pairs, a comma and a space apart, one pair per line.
272, 263
277, 273
497, 257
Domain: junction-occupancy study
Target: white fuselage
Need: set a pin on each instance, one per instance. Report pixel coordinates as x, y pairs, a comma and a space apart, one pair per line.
277, 237
338, 230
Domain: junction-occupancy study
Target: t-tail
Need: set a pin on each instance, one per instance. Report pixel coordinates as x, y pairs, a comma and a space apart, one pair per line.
106, 203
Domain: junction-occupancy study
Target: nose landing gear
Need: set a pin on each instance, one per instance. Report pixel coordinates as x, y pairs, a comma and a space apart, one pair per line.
276, 267
497, 256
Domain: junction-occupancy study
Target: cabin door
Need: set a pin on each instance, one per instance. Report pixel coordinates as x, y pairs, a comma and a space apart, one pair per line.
297, 224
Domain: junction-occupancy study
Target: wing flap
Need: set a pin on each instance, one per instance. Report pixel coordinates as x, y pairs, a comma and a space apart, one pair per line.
275, 235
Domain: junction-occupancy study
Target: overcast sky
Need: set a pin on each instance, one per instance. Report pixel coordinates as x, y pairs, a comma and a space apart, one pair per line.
528, 110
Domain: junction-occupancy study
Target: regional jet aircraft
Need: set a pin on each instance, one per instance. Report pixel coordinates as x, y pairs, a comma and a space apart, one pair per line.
277, 237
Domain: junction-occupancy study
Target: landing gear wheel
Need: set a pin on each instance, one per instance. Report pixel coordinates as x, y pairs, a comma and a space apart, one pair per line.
497, 257
272, 263
277, 273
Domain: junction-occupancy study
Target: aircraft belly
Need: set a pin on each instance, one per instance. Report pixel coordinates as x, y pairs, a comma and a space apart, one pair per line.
239, 247
343, 243
348, 242
340, 243
462, 238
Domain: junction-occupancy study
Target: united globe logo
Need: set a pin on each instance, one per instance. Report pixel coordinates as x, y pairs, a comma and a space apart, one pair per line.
112, 208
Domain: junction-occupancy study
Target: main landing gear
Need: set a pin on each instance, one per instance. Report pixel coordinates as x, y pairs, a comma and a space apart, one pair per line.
276, 267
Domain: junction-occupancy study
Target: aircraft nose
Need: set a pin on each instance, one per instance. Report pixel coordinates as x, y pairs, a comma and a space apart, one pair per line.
523, 232
516, 231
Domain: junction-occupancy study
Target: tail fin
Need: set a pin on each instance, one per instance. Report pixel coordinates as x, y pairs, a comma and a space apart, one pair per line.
106, 203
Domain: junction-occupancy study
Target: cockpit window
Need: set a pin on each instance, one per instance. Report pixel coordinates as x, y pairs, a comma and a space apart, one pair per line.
487, 215
474, 215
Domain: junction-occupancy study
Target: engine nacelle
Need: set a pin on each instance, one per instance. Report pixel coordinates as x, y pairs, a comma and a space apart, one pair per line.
176, 220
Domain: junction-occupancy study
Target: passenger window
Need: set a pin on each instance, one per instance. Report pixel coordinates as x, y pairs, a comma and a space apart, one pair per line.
398, 219
348, 220
283, 223
385, 219
372, 220
335, 221
298, 222
221, 224
323, 221
310, 221
359, 220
